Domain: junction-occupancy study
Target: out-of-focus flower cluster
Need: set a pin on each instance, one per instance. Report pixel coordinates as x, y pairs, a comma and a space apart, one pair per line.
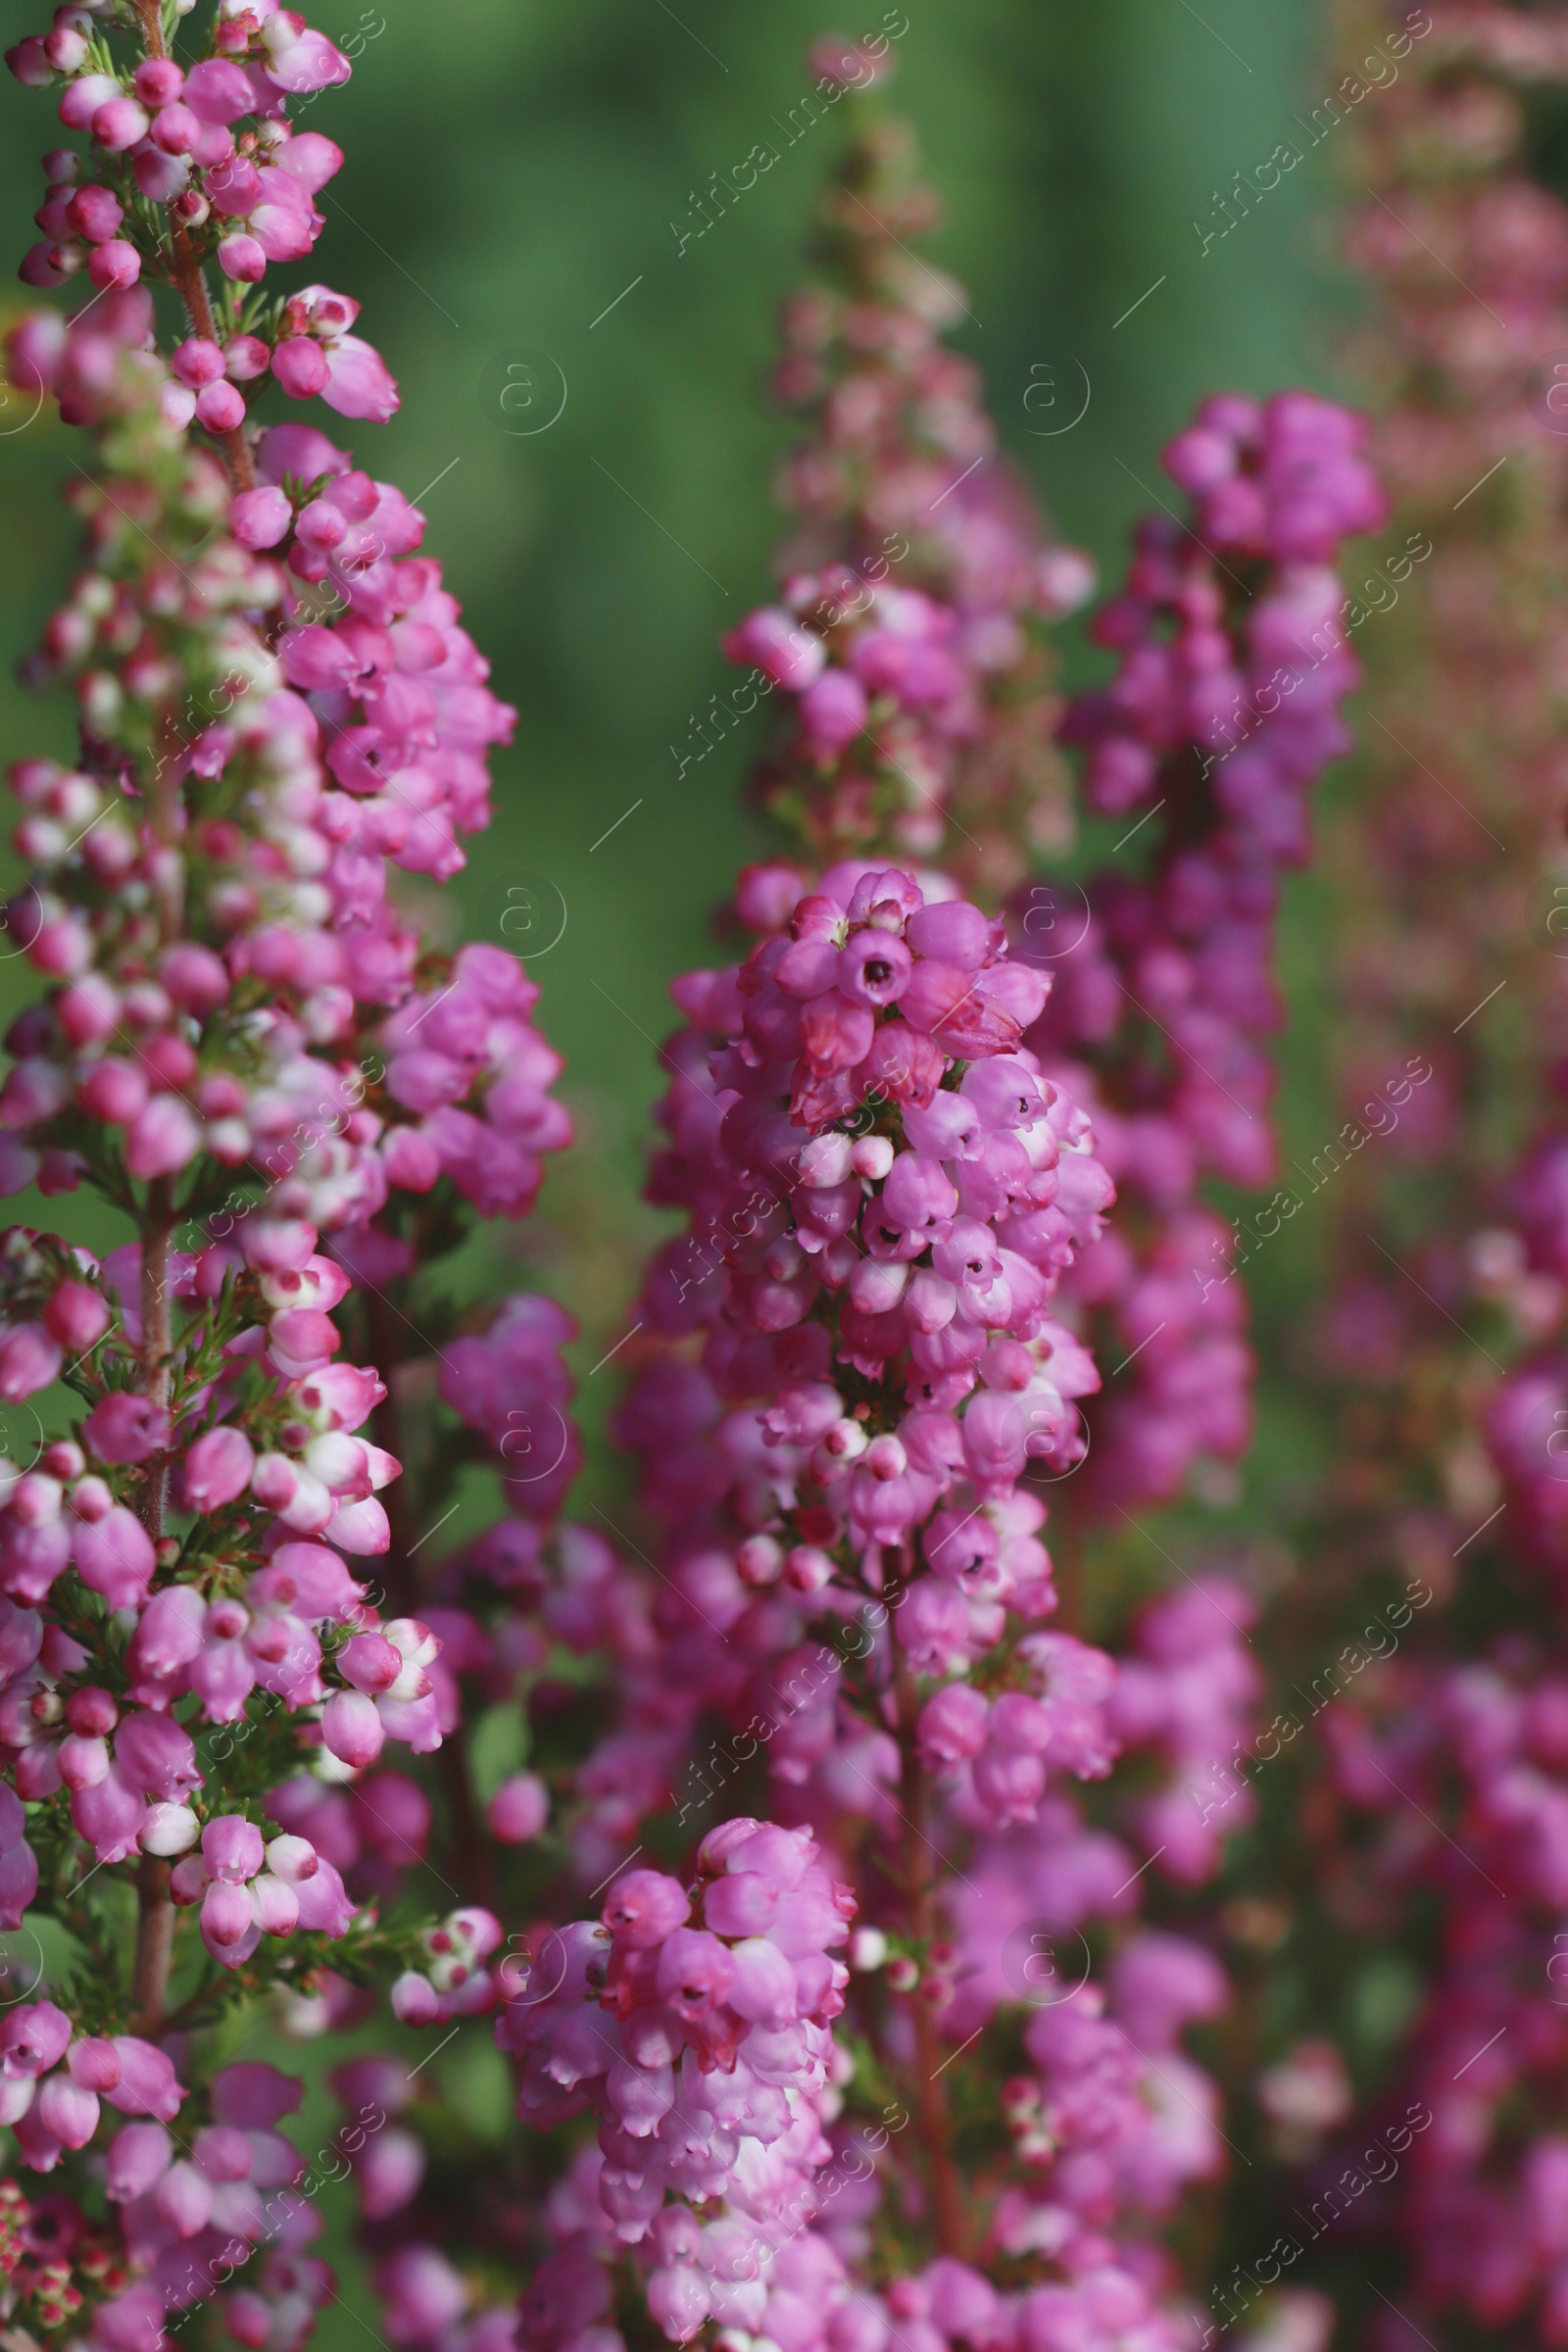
1232, 664
909, 639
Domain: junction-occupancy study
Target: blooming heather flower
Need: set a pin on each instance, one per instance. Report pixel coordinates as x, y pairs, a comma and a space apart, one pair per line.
1224, 709
907, 645
253, 1055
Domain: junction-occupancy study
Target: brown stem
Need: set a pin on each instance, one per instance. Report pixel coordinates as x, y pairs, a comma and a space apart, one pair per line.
477, 1867
185, 273
155, 1946
398, 1575
155, 1921
157, 1339
473, 1863
1067, 1560
918, 1860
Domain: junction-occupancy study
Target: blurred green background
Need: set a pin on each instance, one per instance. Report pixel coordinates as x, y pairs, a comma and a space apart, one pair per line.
511, 170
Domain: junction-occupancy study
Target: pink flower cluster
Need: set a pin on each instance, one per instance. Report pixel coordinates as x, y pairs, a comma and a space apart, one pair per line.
51, 2082
163, 136
879, 1190
249, 1887
1223, 713
697, 2026
1189, 1686
909, 638
1465, 1770
381, 759
278, 706
399, 689
195, 2211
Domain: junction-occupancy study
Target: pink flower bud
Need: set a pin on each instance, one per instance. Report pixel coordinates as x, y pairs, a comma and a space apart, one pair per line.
68, 2110
88, 1011
162, 1138
217, 1469
242, 258
82, 100
82, 1762
300, 367
232, 1847
189, 1881
415, 1999
94, 2064
519, 1809
162, 177
119, 124
170, 1830
645, 1906
159, 82
30, 1359
234, 188
147, 2080
259, 518
308, 158
411, 1160
274, 1481
114, 1090
34, 2039
156, 1754
95, 214
245, 358
758, 1559
91, 1711
116, 263
36, 1500
771, 642
138, 2157
292, 1859
952, 1723
28, 61
249, 2318
387, 2173
77, 1316
806, 1569
300, 1338
196, 979
223, 2152
227, 1915
221, 408
342, 1464
197, 362
92, 1498
352, 1728
371, 1662
833, 712
175, 130
40, 267
185, 2195
62, 948
126, 1428
275, 1904
278, 1244
115, 1558
66, 49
